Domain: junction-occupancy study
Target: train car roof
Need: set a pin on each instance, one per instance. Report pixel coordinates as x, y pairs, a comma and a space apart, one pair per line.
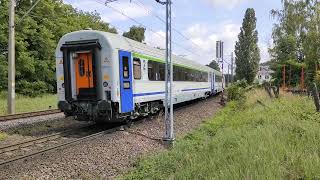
116, 41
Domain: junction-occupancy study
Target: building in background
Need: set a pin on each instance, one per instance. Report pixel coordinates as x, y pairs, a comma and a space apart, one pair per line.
264, 73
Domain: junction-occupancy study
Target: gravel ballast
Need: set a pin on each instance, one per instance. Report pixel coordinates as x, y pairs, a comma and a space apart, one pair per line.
27, 121
111, 154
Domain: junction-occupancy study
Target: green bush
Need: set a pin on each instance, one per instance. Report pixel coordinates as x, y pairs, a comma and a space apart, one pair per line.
32, 89
236, 92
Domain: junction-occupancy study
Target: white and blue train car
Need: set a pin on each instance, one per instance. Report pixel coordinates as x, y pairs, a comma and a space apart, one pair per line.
106, 77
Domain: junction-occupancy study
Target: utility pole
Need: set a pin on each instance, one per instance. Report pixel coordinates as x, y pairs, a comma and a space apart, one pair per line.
169, 134
11, 59
219, 55
228, 75
232, 69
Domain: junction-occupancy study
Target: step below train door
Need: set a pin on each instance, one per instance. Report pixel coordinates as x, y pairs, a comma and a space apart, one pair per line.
126, 87
83, 66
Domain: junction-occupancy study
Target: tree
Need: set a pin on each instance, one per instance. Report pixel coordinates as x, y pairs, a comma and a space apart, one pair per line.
296, 39
246, 50
135, 33
214, 65
36, 39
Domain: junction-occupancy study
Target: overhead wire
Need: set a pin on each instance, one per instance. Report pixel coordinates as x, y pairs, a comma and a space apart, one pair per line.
162, 20
143, 25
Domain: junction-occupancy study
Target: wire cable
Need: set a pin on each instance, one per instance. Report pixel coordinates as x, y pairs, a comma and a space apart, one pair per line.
141, 24
162, 20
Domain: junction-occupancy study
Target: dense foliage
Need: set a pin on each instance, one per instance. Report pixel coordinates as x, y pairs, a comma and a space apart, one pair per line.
246, 49
214, 65
237, 90
296, 40
135, 33
36, 39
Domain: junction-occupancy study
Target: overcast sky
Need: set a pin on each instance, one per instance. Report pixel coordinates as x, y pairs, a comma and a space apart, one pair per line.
203, 22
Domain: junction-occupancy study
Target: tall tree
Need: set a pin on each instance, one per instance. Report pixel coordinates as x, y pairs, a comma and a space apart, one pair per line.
36, 39
246, 49
135, 33
214, 65
296, 40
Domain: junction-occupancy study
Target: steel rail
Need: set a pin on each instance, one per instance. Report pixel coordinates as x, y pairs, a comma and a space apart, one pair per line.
108, 131
29, 114
23, 144
58, 146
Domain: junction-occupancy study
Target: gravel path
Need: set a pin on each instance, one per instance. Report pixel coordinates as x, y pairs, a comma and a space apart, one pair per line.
111, 154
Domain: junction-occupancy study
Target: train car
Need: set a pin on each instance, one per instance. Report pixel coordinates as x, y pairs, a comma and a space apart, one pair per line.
106, 77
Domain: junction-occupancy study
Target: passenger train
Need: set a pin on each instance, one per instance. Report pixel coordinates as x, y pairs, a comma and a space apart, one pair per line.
106, 77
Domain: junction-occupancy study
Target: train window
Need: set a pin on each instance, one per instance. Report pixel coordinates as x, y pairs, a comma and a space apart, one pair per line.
175, 73
218, 78
81, 67
156, 71
136, 68
162, 72
125, 66
151, 71
126, 85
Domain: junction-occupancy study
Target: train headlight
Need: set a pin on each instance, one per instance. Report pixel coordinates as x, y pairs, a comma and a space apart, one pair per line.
62, 85
105, 84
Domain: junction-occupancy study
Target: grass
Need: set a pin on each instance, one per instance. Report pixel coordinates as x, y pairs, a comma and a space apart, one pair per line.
28, 104
3, 136
273, 139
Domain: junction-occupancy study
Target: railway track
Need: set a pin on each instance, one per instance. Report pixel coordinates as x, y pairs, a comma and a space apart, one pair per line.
29, 114
26, 149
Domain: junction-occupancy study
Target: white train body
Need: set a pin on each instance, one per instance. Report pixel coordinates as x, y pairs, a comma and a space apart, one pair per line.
107, 77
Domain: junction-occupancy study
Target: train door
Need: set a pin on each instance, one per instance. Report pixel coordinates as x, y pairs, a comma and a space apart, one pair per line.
84, 75
126, 91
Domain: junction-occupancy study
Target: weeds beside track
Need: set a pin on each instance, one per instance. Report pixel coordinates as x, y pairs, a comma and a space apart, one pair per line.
280, 140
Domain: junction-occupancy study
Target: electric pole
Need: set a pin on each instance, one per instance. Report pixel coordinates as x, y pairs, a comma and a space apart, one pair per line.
11, 59
228, 75
232, 69
169, 135
219, 55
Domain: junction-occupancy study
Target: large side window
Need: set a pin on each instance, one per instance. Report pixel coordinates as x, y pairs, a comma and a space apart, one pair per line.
137, 68
218, 78
151, 71
162, 71
156, 71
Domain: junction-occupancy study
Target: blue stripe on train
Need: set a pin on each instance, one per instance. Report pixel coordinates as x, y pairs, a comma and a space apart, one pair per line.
194, 89
162, 92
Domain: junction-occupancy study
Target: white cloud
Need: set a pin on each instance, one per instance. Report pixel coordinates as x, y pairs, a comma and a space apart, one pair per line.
229, 4
130, 9
204, 40
156, 40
